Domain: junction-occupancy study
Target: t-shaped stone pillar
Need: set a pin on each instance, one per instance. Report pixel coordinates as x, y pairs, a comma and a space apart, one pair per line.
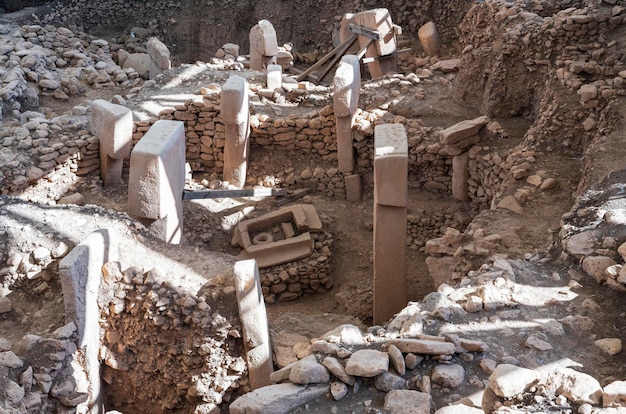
113, 125
346, 101
157, 179
390, 200
263, 45
236, 116
380, 51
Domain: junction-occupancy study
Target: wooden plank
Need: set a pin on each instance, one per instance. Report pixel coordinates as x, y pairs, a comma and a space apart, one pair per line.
344, 46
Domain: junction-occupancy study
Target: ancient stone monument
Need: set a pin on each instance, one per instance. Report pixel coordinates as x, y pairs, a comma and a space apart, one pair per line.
80, 273
263, 45
377, 33
113, 125
429, 38
236, 116
390, 220
157, 179
346, 100
256, 337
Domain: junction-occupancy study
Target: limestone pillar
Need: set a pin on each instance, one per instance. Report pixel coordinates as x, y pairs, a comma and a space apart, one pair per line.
80, 273
113, 125
390, 220
256, 338
263, 45
235, 113
378, 20
347, 82
157, 179
274, 77
460, 175
429, 38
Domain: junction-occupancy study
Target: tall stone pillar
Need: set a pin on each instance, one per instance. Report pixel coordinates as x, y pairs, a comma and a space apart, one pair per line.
460, 175
256, 337
346, 102
113, 125
157, 179
236, 116
380, 51
390, 220
263, 45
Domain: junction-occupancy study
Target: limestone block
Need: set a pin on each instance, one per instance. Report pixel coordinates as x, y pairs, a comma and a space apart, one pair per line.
510, 380
234, 107
423, 346
429, 38
274, 77
614, 394
367, 363
157, 177
390, 165
347, 82
276, 399
401, 401
254, 323
159, 53
588, 92
263, 45
378, 20
113, 125
353, 187
462, 130
390, 282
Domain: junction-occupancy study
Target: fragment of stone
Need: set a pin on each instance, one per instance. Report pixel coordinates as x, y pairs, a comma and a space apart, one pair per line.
367, 363
408, 322
539, 344
309, 372
76, 198
510, 380
335, 368
614, 394
396, 359
407, 402
423, 346
595, 266
448, 376
459, 409
5, 305
488, 365
276, 399
338, 390
388, 381
412, 361
576, 386
10, 360
345, 335
578, 323
610, 346
473, 346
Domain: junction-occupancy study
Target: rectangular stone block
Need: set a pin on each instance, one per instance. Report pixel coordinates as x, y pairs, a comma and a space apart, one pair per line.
159, 53
378, 20
429, 38
347, 82
282, 251
460, 175
390, 281
157, 176
113, 125
263, 45
390, 165
462, 130
274, 77
345, 148
353, 187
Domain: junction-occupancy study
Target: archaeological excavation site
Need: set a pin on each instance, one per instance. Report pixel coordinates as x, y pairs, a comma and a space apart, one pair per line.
281, 207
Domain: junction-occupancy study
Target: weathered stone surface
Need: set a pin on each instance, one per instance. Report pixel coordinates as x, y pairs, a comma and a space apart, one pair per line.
396, 359
429, 38
388, 381
367, 363
578, 387
509, 380
459, 409
614, 394
407, 402
596, 266
462, 130
449, 376
345, 335
276, 399
308, 372
423, 346
610, 346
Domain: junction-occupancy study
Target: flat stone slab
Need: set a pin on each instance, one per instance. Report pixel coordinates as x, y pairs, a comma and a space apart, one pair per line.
276, 399
367, 363
462, 130
407, 402
423, 346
